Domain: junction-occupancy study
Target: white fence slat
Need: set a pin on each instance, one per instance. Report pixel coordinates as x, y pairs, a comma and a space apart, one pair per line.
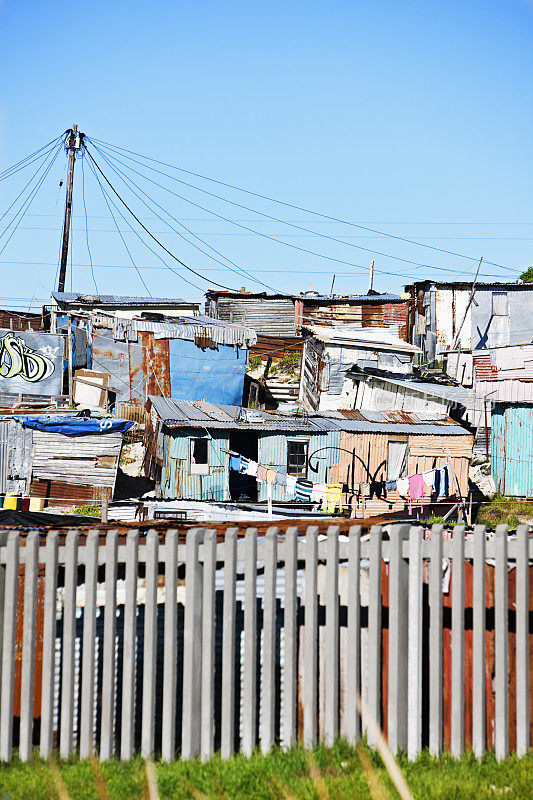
107, 739
331, 708
414, 660
49, 643
127, 726
522, 641
250, 642
310, 638
501, 646
398, 650
3, 540
8, 653
351, 722
170, 647
192, 646
268, 683
207, 742
290, 633
88, 651
27, 680
227, 733
435, 643
66, 734
374, 630
150, 644
458, 643
478, 643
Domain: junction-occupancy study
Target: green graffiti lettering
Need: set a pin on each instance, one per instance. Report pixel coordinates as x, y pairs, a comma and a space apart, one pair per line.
18, 360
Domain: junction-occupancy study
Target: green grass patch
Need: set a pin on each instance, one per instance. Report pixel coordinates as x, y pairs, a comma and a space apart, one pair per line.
279, 775
86, 511
505, 511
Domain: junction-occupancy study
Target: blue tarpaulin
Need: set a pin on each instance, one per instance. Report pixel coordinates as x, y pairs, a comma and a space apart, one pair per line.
71, 425
204, 374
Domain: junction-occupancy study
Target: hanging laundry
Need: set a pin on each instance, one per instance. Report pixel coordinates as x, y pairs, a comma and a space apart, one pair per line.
318, 492
244, 464
364, 489
333, 497
261, 473
390, 486
303, 489
251, 469
270, 475
429, 478
444, 488
281, 479
436, 485
402, 485
291, 485
416, 490
235, 463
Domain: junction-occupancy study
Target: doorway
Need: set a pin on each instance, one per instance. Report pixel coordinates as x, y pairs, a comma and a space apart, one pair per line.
245, 443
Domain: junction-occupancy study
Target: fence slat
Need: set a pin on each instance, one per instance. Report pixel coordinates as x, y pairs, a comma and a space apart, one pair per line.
310, 638
107, 738
250, 636
27, 680
398, 650
522, 641
66, 735
374, 630
227, 733
170, 646
414, 680
88, 652
351, 723
208, 646
3, 540
49, 642
331, 710
290, 633
192, 646
8, 654
501, 646
435, 642
478, 643
458, 642
127, 727
268, 682
150, 644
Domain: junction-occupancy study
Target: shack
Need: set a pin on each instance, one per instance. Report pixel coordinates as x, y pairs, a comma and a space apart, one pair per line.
330, 352
61, 457
67, 303
189, 447
512, 448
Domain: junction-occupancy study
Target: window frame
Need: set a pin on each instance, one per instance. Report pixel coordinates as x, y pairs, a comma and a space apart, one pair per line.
294, 470
404, 469
194, 468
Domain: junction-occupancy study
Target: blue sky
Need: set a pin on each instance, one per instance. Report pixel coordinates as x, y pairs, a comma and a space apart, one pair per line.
415, 119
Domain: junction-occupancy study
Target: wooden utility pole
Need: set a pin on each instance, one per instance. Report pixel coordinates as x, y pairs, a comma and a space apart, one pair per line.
72, 143
371, 278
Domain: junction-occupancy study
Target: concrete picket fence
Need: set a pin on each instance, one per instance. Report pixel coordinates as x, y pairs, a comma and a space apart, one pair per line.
261, 640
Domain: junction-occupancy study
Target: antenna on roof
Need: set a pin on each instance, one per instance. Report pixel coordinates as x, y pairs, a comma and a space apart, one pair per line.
371, 278
332, 282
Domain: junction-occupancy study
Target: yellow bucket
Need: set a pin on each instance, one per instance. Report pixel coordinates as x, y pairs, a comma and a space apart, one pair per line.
11, 501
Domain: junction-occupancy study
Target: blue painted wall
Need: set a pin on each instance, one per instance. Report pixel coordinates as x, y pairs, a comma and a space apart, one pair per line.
176, 482
512, 449
213, 375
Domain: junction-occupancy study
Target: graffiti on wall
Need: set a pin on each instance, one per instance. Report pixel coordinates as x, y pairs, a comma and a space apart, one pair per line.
31, 362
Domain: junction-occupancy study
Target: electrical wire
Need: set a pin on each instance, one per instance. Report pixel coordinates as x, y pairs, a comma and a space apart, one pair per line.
21, 164
220, 285
242, 272
44, 157
296, 207
86, 225
104, 194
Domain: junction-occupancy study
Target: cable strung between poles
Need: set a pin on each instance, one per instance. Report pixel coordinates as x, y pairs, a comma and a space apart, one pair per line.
21, 164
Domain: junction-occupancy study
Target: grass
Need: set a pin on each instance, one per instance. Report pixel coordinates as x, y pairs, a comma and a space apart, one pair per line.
85, 511
339, 773
505, 510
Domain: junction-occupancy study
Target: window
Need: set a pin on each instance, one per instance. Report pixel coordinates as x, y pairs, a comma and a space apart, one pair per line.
500, 304
396, 460
297, 455
198, 457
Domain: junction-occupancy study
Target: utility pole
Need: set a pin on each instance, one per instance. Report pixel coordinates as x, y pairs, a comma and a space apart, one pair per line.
72, 143
371, 278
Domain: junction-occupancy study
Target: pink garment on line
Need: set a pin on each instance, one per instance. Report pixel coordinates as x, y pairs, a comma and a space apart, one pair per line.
416, 490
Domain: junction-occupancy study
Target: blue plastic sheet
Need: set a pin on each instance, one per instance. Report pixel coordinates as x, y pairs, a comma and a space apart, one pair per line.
73, 425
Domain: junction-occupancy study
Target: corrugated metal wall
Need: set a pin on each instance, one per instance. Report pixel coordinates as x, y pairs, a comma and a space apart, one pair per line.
205, 374
512, 449
271, 316
15, 455
175, 478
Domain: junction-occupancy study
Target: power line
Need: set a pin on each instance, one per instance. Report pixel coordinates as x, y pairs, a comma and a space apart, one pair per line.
242, 272
296, 207
86, 225
24, 162
15, 214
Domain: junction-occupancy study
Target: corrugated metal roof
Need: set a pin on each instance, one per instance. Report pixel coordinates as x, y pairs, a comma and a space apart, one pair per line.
367, 337
113, 299
184, 413
125, 329
311, 297
455, 394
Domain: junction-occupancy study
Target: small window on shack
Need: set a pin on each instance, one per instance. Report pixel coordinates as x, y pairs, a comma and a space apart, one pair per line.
396, 459
297, 457
500, 304
198, 457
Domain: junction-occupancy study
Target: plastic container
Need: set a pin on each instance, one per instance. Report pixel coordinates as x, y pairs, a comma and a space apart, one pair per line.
36, 503
11, 502
24, 503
